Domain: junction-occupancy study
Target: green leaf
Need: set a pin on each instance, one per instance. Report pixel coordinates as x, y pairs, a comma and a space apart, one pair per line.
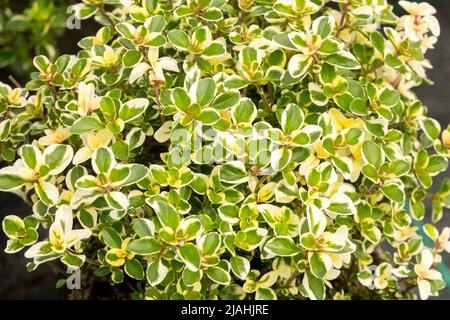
226, 100
131, 58
72, 260
323, 26
214, 49
13, 226
180, 98
191, 278
314, 286
201, 35
395, 63
232, 292
218, 275
399, 167
389, 97
205, 91
394, 192
166, 213
280, 158
359, 107
341, 204
235, 82
47, 192
233, 172
179, 39
156, 272
210, 243
121, 150
31, 236
86, 124
327, 73
157, 41
190, 228
378, 41
375, 128
10, 181
240, 266
318, 266
343, 60
143, 227
132, 109
330, 46
199, 184
134, 269
150, 5
431, 127
244, 112
229, 213
103, 160
41, 63
144, 246
57, 157
372, 153
116, 275
111, 237
182, 11
30, 156
13, 246
155, 23
282, 246
212, 14
291, 118
158, 173
34, 85
265, 294
87, 217
190, 255
298, 65
250, 239
118, 175
352, 136
126, 30
138, 172
80, 67
317, 95
5, 128
87, 182
209, 116
108, 108
117, 200
436, 164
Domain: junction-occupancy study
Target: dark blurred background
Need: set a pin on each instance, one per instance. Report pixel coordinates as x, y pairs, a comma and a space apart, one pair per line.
17, 283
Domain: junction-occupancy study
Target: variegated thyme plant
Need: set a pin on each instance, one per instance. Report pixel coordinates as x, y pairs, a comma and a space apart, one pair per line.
250, 149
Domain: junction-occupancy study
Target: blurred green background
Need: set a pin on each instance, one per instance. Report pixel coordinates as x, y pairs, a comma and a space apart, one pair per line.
28, 28
32, 27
